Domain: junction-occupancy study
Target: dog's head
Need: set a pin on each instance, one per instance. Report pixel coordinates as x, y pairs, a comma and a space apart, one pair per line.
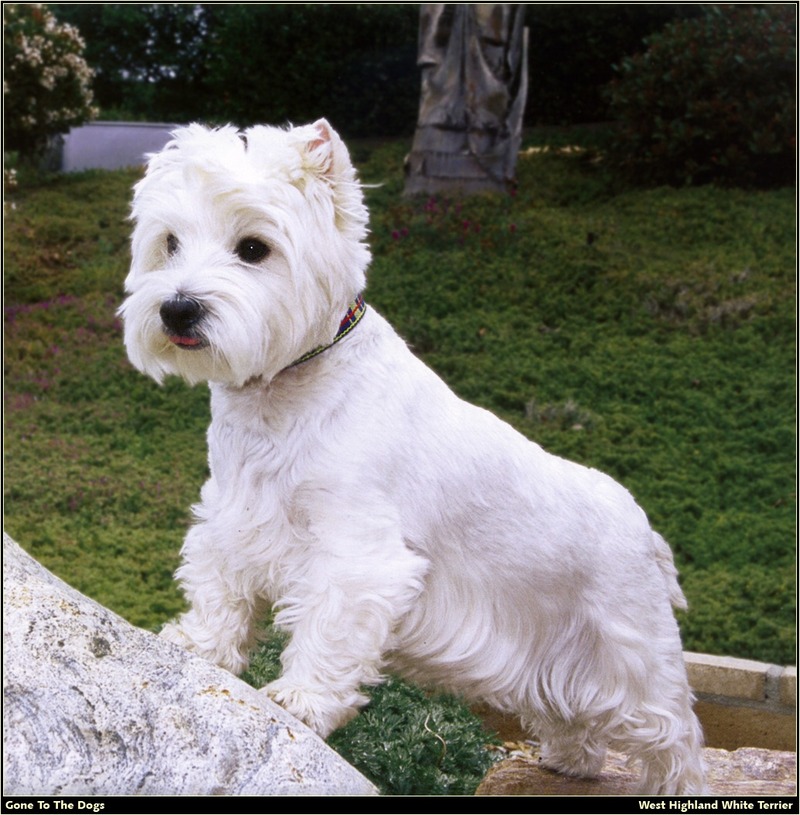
247, 249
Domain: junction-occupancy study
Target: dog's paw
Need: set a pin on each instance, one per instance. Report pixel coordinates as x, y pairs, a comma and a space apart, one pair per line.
224, 655
176, 635
323, 713
579, 760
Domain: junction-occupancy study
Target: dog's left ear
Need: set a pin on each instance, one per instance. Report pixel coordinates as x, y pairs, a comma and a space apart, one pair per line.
326, 152
325, 159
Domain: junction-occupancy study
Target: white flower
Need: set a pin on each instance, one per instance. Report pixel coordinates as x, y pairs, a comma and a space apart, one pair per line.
47, 81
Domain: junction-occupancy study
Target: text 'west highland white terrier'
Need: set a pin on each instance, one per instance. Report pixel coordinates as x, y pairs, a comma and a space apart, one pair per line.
391, 525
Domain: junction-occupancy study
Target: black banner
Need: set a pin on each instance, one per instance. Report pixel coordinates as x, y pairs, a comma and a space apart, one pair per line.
136, 805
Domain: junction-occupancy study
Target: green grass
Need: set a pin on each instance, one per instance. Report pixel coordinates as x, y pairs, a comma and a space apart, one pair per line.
649, 333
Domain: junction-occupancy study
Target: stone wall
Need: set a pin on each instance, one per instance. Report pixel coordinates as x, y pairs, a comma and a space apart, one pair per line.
743, 703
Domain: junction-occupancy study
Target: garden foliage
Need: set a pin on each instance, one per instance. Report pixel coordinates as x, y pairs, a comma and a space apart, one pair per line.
408, 742
355, 64
46, 81
712, 98
246, 63
573, 49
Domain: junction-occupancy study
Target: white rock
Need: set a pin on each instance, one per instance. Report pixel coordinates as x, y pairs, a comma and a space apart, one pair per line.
95, 706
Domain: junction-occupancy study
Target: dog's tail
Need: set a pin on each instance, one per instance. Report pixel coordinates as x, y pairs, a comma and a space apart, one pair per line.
667, 565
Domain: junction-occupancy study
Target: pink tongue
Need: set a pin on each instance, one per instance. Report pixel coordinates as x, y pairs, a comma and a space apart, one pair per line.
184, 340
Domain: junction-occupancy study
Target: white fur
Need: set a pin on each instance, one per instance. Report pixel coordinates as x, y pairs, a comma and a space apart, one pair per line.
392, 525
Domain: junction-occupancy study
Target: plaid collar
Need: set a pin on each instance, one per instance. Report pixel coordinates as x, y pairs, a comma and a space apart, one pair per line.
351, 319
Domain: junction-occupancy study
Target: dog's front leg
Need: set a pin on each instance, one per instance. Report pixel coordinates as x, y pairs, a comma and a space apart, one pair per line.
341, 617
221, 623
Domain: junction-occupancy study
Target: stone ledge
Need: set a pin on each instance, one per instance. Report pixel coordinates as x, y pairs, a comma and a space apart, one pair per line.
747, 771
729, 726
726, 676
742, 679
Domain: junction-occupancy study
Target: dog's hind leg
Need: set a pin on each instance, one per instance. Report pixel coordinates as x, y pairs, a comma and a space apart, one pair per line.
669, 746
656, 725
611, 687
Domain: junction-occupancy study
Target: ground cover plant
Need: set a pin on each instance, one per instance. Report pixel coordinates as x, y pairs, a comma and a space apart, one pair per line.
649, 333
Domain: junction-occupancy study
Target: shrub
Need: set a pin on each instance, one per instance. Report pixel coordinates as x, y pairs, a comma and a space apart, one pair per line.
573, 49
46, 85
711, 99
354, 64
149, 59
408, 742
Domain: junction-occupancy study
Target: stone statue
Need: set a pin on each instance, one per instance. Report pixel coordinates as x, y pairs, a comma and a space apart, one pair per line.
474, 84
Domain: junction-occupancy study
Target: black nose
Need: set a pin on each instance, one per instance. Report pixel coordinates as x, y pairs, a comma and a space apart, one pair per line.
180, 314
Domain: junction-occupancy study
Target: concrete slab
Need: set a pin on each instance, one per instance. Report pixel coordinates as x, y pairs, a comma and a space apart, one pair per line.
112, 145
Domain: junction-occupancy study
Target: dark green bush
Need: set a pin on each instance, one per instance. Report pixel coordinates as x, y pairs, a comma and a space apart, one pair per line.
409, 743
711, 99
265, 63
406, 741
572, 50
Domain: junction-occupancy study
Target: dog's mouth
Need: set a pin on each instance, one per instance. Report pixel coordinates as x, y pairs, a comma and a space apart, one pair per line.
188, 342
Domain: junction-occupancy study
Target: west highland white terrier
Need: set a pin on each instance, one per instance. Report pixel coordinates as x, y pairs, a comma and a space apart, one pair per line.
392, 526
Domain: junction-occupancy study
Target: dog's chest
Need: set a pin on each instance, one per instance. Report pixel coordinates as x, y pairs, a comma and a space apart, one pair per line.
263, 448
254, 459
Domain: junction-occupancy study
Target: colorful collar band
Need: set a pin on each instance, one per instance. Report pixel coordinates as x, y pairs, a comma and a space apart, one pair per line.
355, 312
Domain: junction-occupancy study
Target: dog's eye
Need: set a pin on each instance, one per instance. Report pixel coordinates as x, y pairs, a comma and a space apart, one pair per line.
172, 244
251, 250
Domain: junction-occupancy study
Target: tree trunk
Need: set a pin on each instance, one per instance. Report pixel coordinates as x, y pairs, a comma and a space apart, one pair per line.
474, 85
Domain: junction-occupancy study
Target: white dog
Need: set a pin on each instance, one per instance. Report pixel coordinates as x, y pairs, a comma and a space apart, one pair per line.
391, 525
